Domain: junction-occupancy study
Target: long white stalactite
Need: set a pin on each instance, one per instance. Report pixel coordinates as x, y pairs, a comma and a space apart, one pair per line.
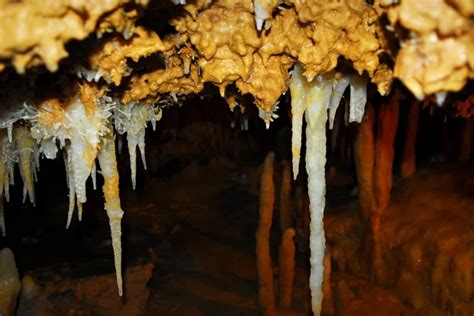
314, 99
108, 166
316, 117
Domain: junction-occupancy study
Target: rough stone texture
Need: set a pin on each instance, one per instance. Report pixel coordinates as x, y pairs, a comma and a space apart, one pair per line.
94, 295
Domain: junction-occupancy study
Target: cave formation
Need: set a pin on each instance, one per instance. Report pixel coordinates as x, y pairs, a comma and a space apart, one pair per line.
365, 104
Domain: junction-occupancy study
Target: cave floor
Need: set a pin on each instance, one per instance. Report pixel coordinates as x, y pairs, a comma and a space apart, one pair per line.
197, 227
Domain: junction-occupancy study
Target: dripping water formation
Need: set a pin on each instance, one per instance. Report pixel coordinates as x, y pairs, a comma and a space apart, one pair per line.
304, 157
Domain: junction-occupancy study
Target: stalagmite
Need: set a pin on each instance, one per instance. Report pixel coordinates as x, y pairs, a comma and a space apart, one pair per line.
466, 140
286, 270
108, 166
313, 98
27, 148
264, 260
364, 162
387, 120
10, 284
286, 216
408, 163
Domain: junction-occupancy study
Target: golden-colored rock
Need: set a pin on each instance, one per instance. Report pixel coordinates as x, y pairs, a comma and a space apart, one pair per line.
35, 32
225, 39
172, 79
383, 78
438, 55
88, 94
337, 28
429, 64
287, 36
51, 112
121, 20
267, 82
222, 24
110, 59
315, 33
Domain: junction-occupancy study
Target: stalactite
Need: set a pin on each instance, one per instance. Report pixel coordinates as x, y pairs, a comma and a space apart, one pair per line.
132, 143
79, 211
387, 121
26, 147
286, 270
132, 119
338, 92
108, 166
297, 111
48, 148
286, 216
264, 260
313, 99
408, 163
83, 141
316, 117
94, 176
358, 98
70, 184
263, 11
364, 162
10, 155
2, 184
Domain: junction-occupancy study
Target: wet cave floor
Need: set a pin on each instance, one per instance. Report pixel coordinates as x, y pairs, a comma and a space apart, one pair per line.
197, 227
